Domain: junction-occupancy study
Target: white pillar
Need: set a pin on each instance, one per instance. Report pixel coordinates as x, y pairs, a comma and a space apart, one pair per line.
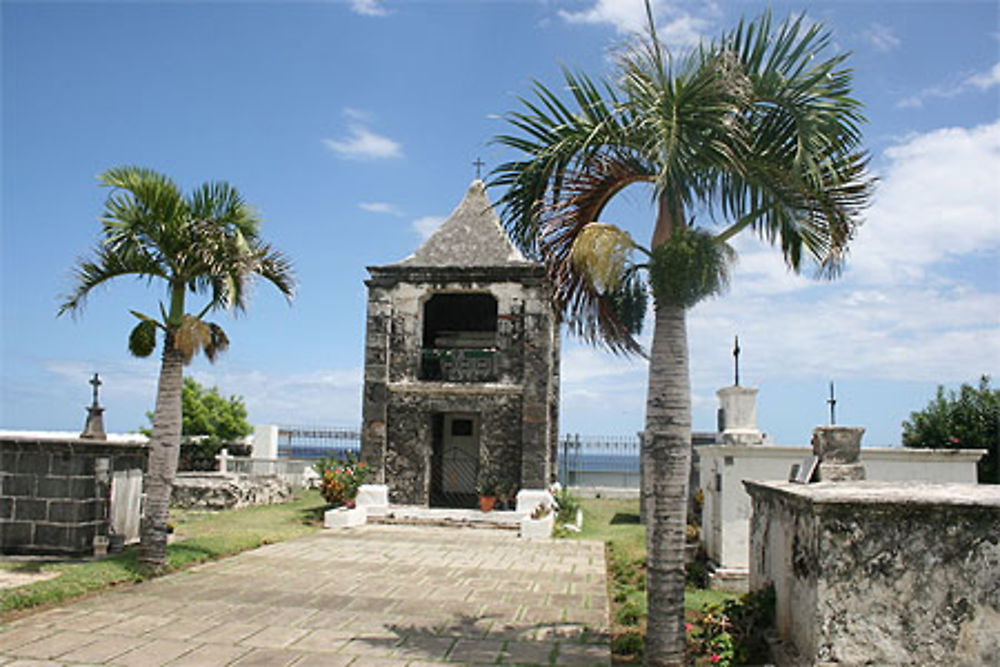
265, 441
739, 413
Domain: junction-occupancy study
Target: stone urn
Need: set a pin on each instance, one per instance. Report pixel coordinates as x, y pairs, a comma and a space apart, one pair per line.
838, 449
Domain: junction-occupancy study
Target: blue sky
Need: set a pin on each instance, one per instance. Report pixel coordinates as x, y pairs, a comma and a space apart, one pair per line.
353, 126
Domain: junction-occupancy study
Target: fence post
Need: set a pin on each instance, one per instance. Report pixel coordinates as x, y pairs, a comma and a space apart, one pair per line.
576, 468
222, 459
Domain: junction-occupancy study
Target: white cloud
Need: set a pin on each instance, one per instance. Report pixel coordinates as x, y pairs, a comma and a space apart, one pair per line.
979, 81
379, 207
938, 200
882, 37
675, 27
368, 7
427, 225
329, 397
986, 80
361, 143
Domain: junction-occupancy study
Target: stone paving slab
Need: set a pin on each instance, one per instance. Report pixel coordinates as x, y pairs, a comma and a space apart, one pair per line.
393, 595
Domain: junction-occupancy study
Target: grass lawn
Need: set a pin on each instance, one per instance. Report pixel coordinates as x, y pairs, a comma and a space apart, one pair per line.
200, 536
616, 523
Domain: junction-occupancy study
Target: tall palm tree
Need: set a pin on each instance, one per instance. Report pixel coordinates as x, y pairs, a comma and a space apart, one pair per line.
755, 131
206, 243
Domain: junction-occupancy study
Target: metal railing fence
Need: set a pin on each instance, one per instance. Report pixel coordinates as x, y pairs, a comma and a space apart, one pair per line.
589, 460
317, 442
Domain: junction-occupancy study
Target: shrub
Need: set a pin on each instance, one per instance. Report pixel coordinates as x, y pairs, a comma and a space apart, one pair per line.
568, 506
627, 643
733, 632
341, 479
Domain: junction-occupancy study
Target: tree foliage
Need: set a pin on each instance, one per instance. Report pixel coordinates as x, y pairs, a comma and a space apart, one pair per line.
207, 413
966, 419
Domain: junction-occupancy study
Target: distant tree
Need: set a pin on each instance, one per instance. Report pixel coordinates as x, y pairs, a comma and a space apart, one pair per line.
206, 413
966, 419
205, 244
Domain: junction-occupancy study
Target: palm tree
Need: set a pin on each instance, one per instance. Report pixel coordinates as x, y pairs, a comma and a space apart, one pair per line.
205, 243
755, 131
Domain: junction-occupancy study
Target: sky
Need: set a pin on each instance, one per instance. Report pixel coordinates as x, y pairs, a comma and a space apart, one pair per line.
353, 127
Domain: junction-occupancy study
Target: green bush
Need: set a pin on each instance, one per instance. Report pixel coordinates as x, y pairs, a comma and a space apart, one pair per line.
341, 479
627, 644
568, 506
969, 418
733, 632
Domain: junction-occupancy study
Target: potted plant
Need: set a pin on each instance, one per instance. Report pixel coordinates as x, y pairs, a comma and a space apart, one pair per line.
487, 489
507, 497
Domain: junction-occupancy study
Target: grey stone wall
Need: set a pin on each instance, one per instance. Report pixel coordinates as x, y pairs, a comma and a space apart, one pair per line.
880, 573
221, 491
408, 460
518, 412
54, 498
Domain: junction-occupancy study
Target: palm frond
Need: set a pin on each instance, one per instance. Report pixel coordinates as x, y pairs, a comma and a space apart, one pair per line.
105, 266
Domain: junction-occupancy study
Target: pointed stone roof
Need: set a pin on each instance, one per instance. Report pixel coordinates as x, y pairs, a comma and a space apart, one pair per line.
471, 237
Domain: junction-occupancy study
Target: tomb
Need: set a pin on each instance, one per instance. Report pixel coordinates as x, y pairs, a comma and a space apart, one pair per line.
461, 380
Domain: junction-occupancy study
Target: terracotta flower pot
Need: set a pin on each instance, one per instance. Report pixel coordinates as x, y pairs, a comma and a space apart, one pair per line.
486, 503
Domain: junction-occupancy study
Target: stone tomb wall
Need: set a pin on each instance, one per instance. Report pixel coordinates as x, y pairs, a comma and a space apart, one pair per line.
408, 462
55, 495
879, 572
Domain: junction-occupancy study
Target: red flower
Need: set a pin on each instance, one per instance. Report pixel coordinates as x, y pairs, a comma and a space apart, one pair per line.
715, 657
688, 626
953, 440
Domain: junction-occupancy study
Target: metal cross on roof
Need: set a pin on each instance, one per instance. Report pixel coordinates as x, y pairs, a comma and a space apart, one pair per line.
479, 164
833, 406
96, 382
736, 360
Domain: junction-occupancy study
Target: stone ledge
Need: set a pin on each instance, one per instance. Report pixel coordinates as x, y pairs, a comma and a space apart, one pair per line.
873, 493
455, 388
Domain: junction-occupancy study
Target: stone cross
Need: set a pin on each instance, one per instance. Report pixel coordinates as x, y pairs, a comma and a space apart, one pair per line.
478, 164
93, 429
833, 406
96, 382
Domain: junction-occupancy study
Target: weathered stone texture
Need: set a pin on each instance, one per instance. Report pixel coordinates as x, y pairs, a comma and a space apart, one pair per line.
54, 498
220, 491
877, 573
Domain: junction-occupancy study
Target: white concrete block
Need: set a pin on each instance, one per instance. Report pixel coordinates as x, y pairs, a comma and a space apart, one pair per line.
537, 529
374, 498
341, 517
529, 499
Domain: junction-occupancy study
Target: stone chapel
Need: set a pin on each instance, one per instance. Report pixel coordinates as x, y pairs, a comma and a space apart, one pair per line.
461, 382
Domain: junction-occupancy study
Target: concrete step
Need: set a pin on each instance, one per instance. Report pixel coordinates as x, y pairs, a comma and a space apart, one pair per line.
448, 517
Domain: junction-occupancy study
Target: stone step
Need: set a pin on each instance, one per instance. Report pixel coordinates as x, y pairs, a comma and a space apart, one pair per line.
449, 518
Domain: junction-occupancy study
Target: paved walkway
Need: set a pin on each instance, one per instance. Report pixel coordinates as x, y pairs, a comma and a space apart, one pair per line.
376, 595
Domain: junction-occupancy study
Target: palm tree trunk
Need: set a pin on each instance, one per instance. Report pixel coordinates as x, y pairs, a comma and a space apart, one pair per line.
164, 448
667, 446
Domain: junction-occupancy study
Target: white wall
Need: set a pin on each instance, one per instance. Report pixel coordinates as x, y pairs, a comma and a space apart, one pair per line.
726, 513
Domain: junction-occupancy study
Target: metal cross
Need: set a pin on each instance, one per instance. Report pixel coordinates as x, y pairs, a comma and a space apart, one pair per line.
736, 360
96, 382
479, 164
833, 406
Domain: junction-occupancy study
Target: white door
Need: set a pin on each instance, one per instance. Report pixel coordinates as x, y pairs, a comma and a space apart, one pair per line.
460, 453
